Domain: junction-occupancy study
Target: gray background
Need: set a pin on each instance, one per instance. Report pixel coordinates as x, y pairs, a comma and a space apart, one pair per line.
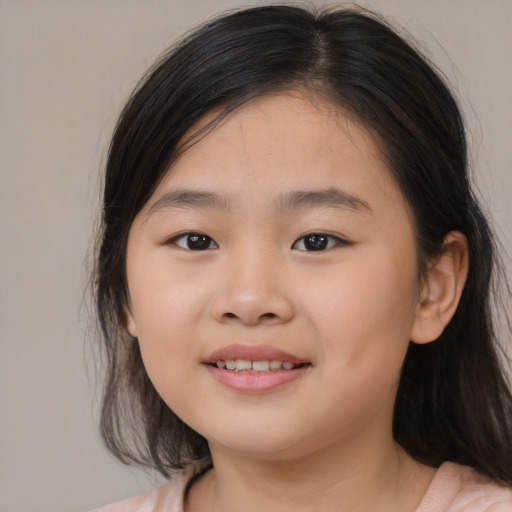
65, 69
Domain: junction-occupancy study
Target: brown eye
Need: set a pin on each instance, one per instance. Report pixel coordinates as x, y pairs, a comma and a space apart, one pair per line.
195, 242
316, 242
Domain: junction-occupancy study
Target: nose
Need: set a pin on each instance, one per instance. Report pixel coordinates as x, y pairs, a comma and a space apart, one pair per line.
253, 291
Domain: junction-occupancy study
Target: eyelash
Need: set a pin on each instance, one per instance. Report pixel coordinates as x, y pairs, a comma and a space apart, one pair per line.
322, 241
188, 238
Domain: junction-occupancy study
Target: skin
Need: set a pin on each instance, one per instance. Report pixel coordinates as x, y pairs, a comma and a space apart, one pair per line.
324, 440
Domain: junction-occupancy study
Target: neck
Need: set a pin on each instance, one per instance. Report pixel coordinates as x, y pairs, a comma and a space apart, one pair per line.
357, 478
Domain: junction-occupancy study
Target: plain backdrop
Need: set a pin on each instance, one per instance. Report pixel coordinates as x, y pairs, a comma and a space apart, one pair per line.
66, 67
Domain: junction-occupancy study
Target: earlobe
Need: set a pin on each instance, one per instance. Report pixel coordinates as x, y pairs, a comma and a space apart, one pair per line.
442, 289
130, 323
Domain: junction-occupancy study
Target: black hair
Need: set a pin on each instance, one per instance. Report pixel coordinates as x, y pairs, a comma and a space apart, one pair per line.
454, 402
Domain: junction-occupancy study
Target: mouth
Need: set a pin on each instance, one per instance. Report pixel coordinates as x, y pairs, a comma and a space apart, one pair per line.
263, 366
255, 368
242, 357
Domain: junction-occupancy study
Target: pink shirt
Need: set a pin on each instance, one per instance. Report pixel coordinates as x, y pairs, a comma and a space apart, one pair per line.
454, 488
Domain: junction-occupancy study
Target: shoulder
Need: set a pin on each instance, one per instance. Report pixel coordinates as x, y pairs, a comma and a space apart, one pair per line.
168, 497
457, 488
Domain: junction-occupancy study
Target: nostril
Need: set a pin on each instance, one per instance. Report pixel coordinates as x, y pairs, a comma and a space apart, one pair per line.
264, 316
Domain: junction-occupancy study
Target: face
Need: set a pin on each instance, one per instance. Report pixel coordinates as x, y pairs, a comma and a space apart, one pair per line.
273, 282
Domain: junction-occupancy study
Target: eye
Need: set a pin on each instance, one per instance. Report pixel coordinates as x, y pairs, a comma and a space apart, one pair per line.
317, 242
194, 242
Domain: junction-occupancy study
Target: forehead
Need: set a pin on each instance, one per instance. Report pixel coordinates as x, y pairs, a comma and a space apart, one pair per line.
277, 143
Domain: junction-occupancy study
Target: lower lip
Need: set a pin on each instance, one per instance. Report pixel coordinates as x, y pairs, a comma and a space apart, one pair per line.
255, 382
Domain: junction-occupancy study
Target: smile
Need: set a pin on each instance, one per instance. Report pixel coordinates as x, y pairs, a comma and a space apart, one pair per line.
254, 369
247, 366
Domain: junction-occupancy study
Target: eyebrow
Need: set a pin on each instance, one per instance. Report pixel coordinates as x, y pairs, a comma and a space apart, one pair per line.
295, 200
190, 199
330, 198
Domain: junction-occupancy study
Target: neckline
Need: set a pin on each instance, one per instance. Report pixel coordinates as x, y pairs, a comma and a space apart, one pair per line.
197, 470
444, 486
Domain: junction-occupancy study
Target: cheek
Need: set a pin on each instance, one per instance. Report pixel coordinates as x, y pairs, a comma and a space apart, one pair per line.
166, 341
365, 313
163, 296
166, 311
364, 321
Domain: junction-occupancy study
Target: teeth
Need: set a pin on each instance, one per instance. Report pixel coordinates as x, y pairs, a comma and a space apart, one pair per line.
261, 366
244, 365
275, 365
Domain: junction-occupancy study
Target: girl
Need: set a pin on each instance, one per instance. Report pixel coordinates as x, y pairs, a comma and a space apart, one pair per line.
294, 277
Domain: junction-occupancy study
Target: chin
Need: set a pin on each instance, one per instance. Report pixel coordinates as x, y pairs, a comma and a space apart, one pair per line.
269, 443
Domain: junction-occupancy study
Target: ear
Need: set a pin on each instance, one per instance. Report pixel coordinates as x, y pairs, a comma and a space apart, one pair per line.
442, 289
130, 323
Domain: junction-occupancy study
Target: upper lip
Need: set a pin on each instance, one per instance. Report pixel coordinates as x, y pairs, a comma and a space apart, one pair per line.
252, 353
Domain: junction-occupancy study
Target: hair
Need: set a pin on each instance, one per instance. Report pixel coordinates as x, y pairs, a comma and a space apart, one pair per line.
454, 402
